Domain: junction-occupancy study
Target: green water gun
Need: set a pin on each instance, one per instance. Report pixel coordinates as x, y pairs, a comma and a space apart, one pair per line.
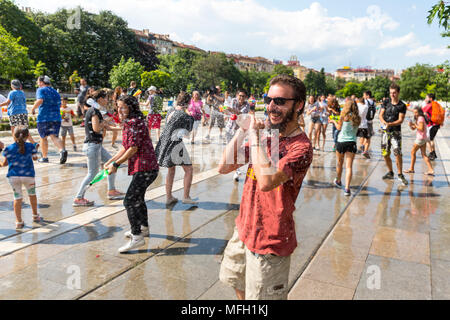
99, 177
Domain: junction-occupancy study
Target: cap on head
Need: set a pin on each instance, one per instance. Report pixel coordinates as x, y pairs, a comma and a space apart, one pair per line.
16, 84
152, 88
44, 79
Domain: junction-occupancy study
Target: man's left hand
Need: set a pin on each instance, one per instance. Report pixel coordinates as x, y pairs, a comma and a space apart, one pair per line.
111, 169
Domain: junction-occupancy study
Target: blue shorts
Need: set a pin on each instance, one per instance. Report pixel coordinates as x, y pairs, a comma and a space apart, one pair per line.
48, 128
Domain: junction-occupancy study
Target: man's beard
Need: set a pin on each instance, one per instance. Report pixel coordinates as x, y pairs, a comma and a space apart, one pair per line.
281, 127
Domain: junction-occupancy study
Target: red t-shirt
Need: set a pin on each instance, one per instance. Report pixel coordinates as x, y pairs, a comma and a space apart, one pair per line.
265, 222
135, 134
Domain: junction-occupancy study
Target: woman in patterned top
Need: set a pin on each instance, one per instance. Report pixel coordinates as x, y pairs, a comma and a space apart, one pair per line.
171, 151
137, 149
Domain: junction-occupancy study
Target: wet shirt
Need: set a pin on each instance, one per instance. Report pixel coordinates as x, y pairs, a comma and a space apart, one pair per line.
81, 98
421, 135
67, 114
18, 103
265, 222
195, 108
91, 135
316, 113
363, 108
49, 109
20, 165
135, 134
392, 113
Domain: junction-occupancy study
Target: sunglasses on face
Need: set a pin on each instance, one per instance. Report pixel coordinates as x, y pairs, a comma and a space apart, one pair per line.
277, 101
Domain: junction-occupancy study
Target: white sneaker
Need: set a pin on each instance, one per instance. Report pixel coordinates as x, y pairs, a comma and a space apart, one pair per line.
135, 242
236, 177
144, 232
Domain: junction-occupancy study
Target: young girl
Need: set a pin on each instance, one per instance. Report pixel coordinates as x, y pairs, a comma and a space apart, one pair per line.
171, 151
346, 143
137, 149
419, 124
19, 157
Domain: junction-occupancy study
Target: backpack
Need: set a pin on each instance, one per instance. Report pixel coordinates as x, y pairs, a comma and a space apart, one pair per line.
437, 113
371, 111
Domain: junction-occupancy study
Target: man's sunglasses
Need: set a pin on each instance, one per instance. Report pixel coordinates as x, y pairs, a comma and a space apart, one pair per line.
277, 101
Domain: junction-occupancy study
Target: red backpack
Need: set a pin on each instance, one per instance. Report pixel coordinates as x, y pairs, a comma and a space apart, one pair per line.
437, 113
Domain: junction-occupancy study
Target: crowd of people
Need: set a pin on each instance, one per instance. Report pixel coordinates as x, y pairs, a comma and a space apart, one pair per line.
257, 258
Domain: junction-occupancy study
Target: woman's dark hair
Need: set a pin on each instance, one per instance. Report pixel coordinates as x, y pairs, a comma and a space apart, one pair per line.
21, 134
421, 114
183, 99
133, 106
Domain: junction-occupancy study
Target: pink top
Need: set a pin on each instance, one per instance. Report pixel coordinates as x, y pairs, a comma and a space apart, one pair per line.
195, 108
421, 135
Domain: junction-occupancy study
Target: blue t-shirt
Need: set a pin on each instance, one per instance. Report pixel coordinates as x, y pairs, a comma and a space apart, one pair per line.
49, 109
20, 165
18, 103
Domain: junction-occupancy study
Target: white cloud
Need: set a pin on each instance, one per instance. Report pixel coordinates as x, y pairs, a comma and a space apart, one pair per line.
408, 40
427, 50
247, 27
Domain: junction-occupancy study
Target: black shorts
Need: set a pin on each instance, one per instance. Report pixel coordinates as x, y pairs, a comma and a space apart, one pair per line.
432, 131
343, 147
363, 133
316, 120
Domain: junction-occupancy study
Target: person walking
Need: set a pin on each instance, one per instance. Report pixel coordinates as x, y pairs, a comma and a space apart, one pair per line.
81, 97
17, 109
19, 158
391, 116
118, 92
348, 124
214, 100
256, 261
171, 151
154, 117
363, 131
323, 120
95, 152
137, 149
239, 105
195, 110
420, 143
371, 111
48, 120
432, 127
314, 111
335, 112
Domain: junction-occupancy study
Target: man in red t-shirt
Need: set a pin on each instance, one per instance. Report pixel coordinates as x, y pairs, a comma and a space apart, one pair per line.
257, 258
432, 127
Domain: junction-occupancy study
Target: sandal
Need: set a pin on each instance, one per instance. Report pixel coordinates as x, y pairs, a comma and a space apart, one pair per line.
20, 225
409, 171
430, 174
36, 218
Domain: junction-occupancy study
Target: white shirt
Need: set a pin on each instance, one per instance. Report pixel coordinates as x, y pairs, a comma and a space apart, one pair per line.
362, 107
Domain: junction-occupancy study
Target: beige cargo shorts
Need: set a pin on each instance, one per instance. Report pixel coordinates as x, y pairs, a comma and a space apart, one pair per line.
262, 277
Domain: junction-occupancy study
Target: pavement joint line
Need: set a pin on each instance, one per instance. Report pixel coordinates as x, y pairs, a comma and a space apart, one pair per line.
138, 263
444, 151
77, 221
330, 231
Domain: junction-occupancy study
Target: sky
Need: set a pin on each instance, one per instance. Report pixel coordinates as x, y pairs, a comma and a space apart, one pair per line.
331, 34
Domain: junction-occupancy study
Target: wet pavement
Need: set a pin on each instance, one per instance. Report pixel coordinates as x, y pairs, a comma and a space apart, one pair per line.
400, 232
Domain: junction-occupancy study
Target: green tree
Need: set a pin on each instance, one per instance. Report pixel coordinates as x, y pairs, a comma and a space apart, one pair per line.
180, 68
351, 88
282, 69
40, 69
414, 80
14, 60
157, 78
125, 72
441, 11
379, 86
19, 24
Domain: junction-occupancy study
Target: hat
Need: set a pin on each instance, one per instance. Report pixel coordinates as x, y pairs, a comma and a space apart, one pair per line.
44, 79
16, 84
152, 88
